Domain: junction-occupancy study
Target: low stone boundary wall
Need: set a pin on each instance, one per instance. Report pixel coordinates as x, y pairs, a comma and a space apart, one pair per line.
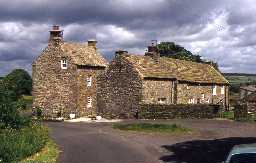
241, 112
196, 111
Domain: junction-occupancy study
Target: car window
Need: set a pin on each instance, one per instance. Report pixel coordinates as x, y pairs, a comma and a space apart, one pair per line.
243, 158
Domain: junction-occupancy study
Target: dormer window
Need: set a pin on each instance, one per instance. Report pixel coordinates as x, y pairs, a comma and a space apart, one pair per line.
64, 64
89, 81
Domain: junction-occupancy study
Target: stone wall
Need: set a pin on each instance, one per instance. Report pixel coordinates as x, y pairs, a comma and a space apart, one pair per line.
54, 88
85, 91
119, 90
157, 91
202, 94
199, 111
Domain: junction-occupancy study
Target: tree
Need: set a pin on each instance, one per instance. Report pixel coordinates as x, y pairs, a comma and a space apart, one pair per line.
19, 82
172, 50
10, 110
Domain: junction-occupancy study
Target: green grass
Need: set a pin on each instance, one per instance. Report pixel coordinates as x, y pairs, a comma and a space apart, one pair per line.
48, 154
28, 100
228, 115
152, 128
16, 145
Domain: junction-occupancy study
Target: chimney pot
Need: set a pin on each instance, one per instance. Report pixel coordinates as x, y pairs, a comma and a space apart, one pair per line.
92, 43
56, 34
153, 50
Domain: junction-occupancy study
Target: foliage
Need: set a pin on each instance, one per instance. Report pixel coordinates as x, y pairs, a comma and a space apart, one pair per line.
48, 154
18, 81
10, 110
227, 115
18, 144
172, 50
151, 127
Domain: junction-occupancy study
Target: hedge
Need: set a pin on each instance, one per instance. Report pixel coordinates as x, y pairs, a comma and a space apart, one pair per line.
158, 111
18, 144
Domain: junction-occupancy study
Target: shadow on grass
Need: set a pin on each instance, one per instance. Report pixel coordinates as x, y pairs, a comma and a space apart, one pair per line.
203, 151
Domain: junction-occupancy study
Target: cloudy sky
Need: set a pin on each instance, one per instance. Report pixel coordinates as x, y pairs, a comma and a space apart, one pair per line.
219, 30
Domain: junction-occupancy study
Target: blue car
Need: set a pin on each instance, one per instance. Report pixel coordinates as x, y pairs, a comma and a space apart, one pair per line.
245, 153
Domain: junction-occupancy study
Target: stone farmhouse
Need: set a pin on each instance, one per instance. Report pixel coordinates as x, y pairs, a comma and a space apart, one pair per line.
131, 80
64, 76
248, 97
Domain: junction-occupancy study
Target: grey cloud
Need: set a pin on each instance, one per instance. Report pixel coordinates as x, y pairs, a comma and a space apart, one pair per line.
129, 25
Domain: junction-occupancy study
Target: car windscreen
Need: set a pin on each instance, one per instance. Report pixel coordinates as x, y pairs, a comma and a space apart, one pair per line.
243, 158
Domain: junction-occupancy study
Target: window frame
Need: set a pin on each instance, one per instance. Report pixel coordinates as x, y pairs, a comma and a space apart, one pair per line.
64, 62
222, 90
89, 102
89, 81
214, 90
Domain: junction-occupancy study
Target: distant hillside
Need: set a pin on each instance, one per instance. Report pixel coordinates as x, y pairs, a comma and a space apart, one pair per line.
238, 74
237, 79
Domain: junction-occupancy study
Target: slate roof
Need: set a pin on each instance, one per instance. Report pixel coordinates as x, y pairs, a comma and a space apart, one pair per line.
82, 54
251, 97
249, 88
168, 68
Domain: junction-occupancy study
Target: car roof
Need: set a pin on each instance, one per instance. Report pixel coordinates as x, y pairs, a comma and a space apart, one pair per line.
243, 148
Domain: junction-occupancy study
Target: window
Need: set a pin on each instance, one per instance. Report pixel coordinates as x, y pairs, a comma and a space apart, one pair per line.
162, 100
214, 90
191, 101
64, 64
89, 81
222, 90
203, 96
89, 102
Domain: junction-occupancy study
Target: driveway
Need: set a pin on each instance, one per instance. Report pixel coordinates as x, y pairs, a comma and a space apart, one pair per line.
99, 143
93, 143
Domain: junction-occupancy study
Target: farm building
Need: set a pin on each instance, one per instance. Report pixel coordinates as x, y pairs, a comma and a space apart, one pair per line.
64, 76
248, 97
131, 80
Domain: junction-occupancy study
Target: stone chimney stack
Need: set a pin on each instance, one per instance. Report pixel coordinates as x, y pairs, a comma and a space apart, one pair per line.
153, 51
56, 34
92, 43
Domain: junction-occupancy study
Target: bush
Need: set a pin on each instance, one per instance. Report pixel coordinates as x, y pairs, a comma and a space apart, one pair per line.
18, 144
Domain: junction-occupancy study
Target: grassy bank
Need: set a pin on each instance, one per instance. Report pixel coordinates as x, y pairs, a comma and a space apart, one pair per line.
48, 154
152, 128
17, 144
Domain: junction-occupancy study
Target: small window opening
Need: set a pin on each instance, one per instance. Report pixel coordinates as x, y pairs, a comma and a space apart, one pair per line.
64, 64
89, 81
162, 100
89, 102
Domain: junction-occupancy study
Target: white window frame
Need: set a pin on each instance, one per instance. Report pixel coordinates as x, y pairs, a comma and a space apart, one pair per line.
89, 102
64, 64
214, 90
203, 96
89, 81
191, 101
222, 90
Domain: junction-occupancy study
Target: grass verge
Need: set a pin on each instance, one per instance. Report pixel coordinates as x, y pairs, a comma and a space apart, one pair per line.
48, 154
152, 128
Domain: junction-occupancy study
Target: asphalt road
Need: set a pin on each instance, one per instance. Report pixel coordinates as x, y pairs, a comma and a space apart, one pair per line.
93, 143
